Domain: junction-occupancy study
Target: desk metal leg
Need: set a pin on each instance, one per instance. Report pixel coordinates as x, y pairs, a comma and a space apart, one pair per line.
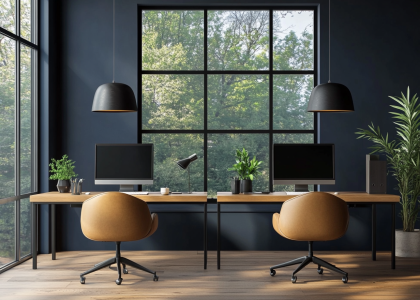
53, 232
34, 213
373, 232
393, 238
218, 236
205, 236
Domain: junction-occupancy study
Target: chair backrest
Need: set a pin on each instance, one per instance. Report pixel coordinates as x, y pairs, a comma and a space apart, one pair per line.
115, 217
315, 216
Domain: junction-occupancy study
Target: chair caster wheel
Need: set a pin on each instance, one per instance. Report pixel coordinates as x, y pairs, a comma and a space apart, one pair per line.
118, 281
320, 271
294, 279
272, 272
125, 271
345, 279
82, 280
155, 278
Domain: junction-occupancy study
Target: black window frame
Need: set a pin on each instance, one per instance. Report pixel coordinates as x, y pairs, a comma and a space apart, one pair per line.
270, 72
33, 45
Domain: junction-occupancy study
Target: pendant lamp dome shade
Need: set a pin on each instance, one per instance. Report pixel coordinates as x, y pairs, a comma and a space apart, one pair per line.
330, 97
114, 97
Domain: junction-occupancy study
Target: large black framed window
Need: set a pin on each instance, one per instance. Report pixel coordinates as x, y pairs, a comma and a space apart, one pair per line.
213, 80
18, 127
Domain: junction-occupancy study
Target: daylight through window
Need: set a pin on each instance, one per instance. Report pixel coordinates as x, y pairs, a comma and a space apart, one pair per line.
213, 81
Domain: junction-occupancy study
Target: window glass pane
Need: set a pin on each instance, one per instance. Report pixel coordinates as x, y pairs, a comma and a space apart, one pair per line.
169, 148
172, 40
25, 227
7, 233
7, 15
221, 156
26, 157
292, 138
290, 102
25, 19
238, 101
238, 40
172, 101
7, 117
293, 40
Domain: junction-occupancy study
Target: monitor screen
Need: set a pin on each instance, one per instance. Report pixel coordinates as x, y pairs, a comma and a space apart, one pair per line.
303, 162
124, 162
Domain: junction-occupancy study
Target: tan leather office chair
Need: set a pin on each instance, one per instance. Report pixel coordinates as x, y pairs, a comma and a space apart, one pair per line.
312, 217
117, 217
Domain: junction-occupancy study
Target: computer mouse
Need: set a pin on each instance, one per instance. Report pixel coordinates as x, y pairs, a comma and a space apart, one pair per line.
87, 193
336, 193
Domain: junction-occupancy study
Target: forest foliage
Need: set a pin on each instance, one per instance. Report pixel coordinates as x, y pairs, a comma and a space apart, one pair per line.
236, 41
7, 129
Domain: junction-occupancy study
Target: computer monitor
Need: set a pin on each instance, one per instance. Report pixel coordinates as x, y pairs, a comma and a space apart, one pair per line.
124, 164
303, 164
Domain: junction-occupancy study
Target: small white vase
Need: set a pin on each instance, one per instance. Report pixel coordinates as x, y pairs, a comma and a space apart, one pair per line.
407, 244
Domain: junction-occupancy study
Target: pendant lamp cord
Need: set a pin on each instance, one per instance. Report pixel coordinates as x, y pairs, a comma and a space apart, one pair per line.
113, 42
329, 41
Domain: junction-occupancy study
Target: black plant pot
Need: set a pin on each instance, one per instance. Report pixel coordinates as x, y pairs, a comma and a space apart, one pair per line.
235, 186
246, 186
63, 186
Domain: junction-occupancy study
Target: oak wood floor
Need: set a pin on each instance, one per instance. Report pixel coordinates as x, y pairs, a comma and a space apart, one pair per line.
244, 275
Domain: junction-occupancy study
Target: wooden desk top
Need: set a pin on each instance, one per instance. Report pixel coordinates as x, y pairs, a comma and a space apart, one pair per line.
152, 197
352, 197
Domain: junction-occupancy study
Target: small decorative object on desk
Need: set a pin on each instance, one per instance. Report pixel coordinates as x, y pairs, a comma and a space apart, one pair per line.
62, 170
246, 168
164, 191
235, 185
76, 187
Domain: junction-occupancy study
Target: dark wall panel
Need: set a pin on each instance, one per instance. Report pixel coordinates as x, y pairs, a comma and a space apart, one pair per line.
374, 45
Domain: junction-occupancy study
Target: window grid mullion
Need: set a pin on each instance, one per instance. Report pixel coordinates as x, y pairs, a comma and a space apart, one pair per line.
271, 108
218, 72
198, 131
205, 99
17, 17
17, 149
271, 72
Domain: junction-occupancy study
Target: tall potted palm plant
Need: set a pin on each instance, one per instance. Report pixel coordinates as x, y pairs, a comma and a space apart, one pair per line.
403, 156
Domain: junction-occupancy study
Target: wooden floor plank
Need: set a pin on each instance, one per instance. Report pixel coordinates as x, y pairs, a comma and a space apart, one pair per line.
244, 275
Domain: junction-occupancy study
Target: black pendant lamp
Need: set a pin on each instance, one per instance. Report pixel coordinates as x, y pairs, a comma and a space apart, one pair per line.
330, 97
114, 97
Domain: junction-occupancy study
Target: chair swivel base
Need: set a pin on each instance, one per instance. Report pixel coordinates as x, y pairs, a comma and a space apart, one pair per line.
119, 261
304, 261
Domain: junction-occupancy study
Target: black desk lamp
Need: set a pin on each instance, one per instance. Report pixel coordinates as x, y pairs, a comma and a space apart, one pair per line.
184, 164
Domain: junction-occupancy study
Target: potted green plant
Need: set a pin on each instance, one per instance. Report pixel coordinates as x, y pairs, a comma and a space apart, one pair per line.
247, 169
62, 170
403, 158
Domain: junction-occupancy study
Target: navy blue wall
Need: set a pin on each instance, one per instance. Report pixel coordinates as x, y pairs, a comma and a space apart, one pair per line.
374, 46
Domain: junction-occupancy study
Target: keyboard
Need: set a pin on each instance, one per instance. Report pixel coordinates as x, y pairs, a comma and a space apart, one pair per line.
136, 193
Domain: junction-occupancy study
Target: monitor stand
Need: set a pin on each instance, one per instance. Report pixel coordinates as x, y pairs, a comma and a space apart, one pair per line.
126, 188
301, 188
